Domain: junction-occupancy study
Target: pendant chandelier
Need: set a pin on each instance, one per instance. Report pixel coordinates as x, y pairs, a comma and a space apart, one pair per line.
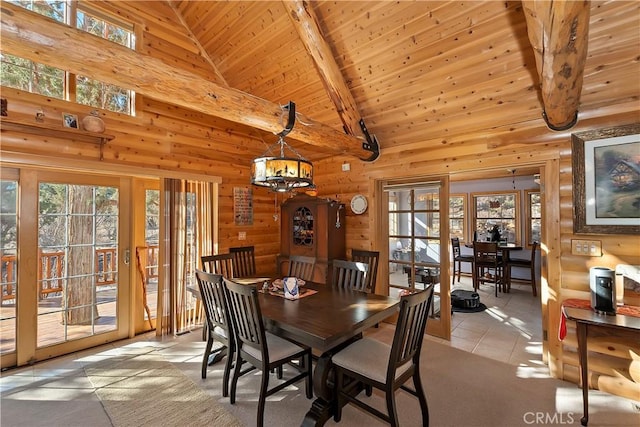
282, 173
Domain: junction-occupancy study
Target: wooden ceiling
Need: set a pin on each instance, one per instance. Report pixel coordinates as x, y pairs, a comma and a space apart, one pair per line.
422, 74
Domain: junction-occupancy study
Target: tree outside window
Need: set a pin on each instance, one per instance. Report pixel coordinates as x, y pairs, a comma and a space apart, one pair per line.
457, 217
496, 209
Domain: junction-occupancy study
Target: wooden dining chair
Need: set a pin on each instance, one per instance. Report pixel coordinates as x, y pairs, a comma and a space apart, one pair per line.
529, 264
218, 264
371, 258
350, 275
260, 349
212, 294
301, 267
458, 259
374, 364
244, 261
487, 259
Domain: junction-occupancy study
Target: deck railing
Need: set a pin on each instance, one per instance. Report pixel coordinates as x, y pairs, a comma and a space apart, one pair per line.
50, 271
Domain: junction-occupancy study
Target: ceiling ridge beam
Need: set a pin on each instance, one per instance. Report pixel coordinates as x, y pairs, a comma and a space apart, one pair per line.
559, 34
219, 78
41, 39
306, 23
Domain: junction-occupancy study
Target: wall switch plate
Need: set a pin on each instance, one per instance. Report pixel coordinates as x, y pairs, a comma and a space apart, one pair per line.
242, 235
586, 247
346, 167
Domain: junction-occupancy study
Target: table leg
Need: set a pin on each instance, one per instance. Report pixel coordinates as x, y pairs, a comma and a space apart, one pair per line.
324, 406
581, 329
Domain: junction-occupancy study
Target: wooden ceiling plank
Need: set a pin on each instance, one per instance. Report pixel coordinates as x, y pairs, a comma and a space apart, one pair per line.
306, 23
32, 36
559, 33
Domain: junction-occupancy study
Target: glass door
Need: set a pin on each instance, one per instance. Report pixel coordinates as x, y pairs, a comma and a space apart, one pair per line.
417, 255
73, 263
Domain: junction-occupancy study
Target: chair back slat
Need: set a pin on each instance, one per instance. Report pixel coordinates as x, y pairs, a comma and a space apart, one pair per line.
349, 275
410, 329
371, 258
218, 264
244, 261
301, 267
211, 288
485, 254
455, 245
246, 316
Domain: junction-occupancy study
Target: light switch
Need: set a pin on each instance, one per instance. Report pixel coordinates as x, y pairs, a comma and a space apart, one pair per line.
242, 235
586, 247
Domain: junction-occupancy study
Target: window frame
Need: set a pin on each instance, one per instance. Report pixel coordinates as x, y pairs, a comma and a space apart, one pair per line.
464, 218
517, 218
529, 216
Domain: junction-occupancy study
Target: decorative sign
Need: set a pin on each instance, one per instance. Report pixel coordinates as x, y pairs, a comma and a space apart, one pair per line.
243, 205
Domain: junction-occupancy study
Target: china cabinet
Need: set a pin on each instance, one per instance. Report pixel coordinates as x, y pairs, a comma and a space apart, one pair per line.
315, 227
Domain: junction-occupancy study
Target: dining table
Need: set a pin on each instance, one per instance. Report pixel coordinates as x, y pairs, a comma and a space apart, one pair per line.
327, 320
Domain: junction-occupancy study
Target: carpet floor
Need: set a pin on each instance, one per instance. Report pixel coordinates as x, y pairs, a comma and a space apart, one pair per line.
146, 390
463, 390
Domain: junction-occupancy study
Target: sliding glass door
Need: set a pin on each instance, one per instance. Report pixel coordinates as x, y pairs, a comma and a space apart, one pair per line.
65, 263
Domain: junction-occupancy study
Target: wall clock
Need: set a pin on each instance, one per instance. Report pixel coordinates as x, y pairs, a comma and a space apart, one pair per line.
359, 204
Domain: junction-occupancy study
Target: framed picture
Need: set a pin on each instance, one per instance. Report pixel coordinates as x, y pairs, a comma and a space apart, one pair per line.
70, 120
606, 180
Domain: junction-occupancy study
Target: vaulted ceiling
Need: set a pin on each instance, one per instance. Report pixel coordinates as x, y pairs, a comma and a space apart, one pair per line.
421, 75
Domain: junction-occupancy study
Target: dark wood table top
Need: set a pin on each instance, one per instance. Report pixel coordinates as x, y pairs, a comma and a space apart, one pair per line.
326, 319
592, 318
502, 247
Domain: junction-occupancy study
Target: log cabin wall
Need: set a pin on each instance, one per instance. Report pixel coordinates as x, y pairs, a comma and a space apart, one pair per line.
165, 137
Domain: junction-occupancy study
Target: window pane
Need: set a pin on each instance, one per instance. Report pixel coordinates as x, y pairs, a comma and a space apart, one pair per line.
101, 95
52, 9
33, 77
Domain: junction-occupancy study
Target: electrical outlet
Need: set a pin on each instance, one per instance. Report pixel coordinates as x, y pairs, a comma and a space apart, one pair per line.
242, 235
586, 247
346, 167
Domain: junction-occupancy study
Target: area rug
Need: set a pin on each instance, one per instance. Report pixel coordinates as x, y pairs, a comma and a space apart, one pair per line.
146, 390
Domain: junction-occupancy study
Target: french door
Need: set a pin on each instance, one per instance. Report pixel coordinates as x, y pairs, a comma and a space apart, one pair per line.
417, 240
71, 287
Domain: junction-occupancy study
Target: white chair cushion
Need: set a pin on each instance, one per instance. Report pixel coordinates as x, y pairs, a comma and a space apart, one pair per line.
369, 358
278, 348
220, 332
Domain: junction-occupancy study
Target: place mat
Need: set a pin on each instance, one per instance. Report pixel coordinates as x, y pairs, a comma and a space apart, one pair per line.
303, 293
585, 304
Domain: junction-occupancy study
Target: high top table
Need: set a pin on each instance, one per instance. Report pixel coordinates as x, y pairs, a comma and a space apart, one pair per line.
326, 321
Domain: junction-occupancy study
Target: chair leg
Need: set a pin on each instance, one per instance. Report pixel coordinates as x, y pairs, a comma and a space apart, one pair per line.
227, 371
263, 397
339, 384
391, 407
205, 358
309, 379
237, 367
424, 407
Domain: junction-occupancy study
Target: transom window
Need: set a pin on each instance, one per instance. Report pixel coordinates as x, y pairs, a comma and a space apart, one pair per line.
38, 78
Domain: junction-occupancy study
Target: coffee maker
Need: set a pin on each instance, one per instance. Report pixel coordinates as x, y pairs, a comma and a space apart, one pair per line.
603, 290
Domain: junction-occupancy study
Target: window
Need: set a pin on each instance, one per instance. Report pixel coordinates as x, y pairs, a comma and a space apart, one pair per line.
31, 76
457, 209
27, 75
496, 209
534, 216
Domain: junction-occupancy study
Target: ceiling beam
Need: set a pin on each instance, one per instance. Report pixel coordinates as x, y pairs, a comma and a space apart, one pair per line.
306, 23
40, 39
559, 32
